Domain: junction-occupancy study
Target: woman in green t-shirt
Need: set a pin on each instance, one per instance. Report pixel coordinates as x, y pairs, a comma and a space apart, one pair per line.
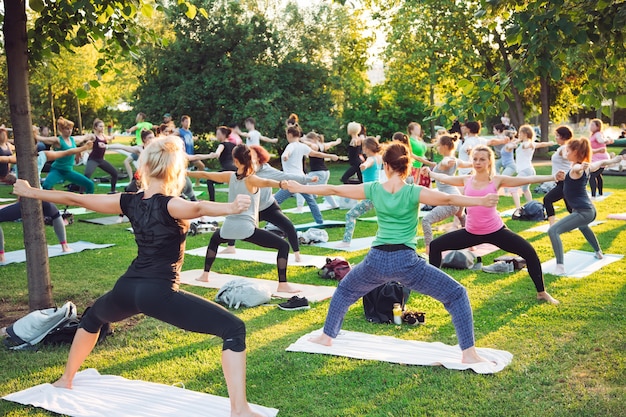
392, 256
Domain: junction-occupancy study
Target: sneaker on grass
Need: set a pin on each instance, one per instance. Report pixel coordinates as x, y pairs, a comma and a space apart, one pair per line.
295, 303
499, 267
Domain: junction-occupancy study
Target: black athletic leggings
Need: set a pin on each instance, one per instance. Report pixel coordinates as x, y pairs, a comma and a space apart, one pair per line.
13, 212
503, 238
273, 214
596, 181
210, 184
352, 169
163, 300
261, 238
553, 196
104, 165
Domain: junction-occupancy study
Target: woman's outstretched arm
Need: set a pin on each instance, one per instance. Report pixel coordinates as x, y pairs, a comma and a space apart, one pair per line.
102, 203
355, 191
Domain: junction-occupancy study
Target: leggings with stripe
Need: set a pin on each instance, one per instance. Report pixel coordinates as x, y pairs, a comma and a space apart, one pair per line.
413, 272
261, 238
504, 238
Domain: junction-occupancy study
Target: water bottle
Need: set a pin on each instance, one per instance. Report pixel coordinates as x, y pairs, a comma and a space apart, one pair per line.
397, 313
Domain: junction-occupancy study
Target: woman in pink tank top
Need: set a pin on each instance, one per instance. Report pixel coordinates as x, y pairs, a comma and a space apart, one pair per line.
484, 224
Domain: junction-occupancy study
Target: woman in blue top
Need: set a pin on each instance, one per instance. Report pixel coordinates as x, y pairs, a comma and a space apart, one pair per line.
151, 283
393, 256
370, 171
63, 168
578, 152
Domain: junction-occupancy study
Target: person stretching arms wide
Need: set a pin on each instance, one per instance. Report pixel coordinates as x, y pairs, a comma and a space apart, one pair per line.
392, 256
150, 285
579, 153
484, 225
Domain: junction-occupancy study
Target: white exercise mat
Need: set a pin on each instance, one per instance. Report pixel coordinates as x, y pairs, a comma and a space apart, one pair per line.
76, 211
107, 221
263, 256
543, 228
602, 197
307, 209
617, 216
326, 224
108, 184
7, 200
95, 395
53, 250
507, 213
312, 293
356, 244
407, 352
579, 264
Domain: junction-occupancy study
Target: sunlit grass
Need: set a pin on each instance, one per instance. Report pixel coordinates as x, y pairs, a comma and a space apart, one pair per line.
568, 360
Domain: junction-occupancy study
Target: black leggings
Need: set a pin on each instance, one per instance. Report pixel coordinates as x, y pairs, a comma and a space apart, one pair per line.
553, 196
14, 211
261, 238
104, 165
503, 238
163, 300
353, 169
596, 181
210, 184
273, 214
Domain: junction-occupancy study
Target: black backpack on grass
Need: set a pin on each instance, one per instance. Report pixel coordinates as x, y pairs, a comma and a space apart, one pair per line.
378, 303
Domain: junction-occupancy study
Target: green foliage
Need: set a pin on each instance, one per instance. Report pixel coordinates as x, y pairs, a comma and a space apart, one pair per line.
237, 63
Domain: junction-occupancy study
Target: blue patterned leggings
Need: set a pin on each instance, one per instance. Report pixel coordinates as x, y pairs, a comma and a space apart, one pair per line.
359, 209
406, 267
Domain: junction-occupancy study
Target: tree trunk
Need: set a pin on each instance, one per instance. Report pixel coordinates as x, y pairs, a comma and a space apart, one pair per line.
545, 107
516, 112
53, 116
37, 269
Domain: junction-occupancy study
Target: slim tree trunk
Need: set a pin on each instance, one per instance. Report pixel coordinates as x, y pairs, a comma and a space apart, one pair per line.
37, 268
53, 116
545, 107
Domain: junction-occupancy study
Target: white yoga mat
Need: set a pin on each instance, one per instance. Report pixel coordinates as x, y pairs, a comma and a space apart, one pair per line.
313, 293
579, 264
53, 250
95, 395
599, 197
263, 256
543, 228
507, 213
107, 221
108, 184
407, 352
307, 209
76, 211
617, 216
6, 200
356, 244
326, 224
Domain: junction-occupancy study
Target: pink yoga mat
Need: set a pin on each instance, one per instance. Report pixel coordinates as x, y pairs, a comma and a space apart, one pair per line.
617, 216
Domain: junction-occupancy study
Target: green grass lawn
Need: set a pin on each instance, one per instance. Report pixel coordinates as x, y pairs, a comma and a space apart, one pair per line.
569, 360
